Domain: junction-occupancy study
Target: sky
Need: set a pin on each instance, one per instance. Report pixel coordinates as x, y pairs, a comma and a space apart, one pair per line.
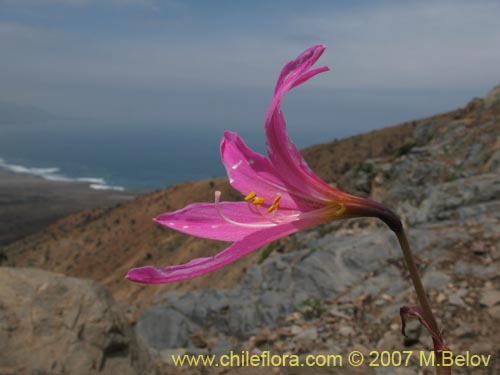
213, 64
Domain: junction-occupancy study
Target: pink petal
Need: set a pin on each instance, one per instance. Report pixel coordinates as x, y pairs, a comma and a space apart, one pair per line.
249, 171
200, 266
203, 220
290, 164
299, 65
284, 155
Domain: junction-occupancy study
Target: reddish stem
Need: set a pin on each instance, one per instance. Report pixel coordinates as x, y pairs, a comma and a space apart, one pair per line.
425, 306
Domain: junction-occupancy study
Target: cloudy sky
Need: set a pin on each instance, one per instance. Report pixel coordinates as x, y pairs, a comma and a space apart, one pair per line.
213, 64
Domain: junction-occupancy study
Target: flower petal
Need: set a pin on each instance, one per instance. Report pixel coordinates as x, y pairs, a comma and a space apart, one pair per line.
249, 171
297, 68
203, 220
200, 266
283, 153
290, 164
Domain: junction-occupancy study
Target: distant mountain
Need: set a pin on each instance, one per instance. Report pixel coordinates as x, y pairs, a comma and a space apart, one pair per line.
12, 114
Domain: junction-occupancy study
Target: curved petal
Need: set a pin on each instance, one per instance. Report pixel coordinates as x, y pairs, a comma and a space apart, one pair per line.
294, 73
298, 67
283, 153
249, 171
203, 220
200, 266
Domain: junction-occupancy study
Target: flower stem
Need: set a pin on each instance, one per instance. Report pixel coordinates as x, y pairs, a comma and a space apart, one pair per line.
359, 207
425, 306
417, 283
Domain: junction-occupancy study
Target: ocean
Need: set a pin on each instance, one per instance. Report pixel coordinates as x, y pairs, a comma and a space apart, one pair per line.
114, 158
150, 156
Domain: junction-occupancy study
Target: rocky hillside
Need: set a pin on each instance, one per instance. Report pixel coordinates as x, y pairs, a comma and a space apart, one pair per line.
334, 288
339, 287
102, 244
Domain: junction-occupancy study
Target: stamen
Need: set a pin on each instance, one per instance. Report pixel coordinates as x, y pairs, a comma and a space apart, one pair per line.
230, 221
258, 200
250, 196
274, 207
255, 209
276, 200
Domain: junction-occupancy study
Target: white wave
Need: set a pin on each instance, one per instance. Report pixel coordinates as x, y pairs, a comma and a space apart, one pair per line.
106, 187
92, 180
53, 174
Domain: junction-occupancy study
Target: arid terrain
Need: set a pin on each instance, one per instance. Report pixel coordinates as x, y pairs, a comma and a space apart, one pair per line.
332, 289
29, 203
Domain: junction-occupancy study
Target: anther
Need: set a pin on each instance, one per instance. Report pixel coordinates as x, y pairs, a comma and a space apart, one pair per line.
273, 207
276, 200
258, 200
250, 196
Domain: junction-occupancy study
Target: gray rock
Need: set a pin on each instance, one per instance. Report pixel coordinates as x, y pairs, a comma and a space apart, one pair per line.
456, 298
476, 270
450, 200
424, 132
268, 292
493, 163
476, 156
490, 298
307, 334
346, 331
53, 324
435, 279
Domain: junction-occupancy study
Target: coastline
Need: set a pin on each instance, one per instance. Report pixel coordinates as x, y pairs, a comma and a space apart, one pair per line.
29, 203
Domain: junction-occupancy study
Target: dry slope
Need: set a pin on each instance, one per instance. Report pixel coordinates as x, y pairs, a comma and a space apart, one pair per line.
102, 244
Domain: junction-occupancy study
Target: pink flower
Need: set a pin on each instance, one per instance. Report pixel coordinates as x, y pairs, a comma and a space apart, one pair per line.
282, 194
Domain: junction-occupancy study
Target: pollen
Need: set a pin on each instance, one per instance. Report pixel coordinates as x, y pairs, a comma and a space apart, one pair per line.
253, 198
275, 205
276, 200
258, 200
250, 197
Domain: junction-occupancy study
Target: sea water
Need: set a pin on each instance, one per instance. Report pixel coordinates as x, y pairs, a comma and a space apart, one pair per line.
111, 157
150, 156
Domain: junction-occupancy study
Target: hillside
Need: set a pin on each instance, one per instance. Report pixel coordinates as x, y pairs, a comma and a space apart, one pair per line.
102, 244
334, 288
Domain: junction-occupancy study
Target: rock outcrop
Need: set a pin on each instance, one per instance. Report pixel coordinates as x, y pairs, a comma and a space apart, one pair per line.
53, 324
